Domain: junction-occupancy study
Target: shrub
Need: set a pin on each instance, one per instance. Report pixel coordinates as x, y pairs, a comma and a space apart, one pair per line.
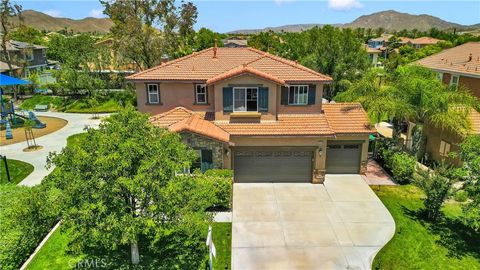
222, 185
461, 196
402, 166
26, 214
436, 187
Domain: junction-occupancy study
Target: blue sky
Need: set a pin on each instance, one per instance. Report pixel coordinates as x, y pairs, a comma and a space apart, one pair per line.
228, 15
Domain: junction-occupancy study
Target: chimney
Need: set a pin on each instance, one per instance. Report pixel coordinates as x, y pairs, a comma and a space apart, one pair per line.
470, 57
215, 49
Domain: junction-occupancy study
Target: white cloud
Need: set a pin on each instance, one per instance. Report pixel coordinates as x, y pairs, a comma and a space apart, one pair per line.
344, 5
281, 2
96, 13
53, 12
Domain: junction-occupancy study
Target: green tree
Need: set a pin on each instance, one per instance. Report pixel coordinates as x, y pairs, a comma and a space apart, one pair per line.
28, 34
205, 38
470, 155
145, 30
436, 187
120, 187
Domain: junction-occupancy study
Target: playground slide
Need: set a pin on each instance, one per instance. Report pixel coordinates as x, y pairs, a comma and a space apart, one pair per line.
34, 118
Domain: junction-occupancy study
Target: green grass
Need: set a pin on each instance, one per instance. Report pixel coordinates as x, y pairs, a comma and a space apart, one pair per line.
421, 244
18, 171
81, 106
52, 102
222, 238
76, 139
55, 254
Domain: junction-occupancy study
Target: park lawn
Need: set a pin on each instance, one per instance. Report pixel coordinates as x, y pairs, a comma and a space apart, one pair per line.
18, 171
76, 139
55, 255
421, 244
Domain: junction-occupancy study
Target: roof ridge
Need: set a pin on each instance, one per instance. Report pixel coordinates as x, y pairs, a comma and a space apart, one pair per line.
170, 62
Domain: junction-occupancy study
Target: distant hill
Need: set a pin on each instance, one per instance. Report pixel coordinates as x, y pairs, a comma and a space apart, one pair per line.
390, 20
42, 21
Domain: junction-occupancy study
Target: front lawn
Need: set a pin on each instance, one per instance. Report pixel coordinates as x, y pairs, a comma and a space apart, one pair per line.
420, 244
55, 254
18, 171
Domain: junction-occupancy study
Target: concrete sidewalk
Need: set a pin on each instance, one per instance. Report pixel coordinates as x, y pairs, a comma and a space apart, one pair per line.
339, 225
51, 142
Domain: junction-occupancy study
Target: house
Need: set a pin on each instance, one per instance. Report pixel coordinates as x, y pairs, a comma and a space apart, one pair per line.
421, 42
258, 114
379, 42
234, 42
456, 66
29, 57
373, 55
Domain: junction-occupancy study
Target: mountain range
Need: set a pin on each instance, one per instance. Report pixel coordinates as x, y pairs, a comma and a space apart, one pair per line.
390, 20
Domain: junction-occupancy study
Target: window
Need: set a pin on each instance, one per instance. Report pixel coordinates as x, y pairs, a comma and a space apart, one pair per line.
444, 148
245, 99
454, 81
204, 161
200, 94
298, 95
153, 96
440, 76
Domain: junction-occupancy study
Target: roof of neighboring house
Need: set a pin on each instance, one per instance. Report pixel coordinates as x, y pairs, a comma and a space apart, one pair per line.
238, 42
212, 63
347, 118
405, 39
425, 40
339, 118
14, 45
383, 37
4, 67
456, 60
372, 50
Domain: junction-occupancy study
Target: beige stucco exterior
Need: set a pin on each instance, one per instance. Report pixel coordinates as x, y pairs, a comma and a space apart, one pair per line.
434, 136
471, 83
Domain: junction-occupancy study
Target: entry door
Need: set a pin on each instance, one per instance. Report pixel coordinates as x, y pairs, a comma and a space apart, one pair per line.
343, 158
256, 166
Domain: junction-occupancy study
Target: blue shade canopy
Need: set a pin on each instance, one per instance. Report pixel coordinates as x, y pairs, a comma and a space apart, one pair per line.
7, 80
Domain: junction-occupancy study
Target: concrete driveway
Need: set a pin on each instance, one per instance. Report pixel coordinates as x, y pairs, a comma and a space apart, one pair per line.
339, 225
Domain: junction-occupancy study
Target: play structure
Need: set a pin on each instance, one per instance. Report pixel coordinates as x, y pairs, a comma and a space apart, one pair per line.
9, 117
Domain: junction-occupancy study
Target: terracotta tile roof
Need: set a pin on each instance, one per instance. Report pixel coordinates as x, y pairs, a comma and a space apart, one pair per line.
425, 41
456, 59
196, 124
208, 64
347, 118
168, 118
244, 70
287, 125
405, 39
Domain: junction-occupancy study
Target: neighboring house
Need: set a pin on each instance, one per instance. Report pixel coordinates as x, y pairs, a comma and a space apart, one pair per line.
256, 113
109, 61
234, 43
29, 57
373, 55
4, 68
379, 42
421, 42
456, 66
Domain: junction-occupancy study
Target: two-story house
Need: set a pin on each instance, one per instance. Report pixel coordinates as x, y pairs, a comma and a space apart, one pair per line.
458, 66
25, 57
256, 113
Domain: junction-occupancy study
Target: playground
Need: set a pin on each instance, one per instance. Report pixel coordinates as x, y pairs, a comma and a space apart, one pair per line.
52, 124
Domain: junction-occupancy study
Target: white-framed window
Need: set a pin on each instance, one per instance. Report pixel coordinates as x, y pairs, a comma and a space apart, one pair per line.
298, 95
200, 94
245, 99
152, 94
444, 148
454, 81
440, 76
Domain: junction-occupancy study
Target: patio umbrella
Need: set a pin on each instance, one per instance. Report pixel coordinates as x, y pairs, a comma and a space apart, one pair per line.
8, 81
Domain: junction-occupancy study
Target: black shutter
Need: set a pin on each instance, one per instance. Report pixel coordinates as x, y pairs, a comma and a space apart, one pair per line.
207, 160
228, 99
284, 100
312, 90
263, 99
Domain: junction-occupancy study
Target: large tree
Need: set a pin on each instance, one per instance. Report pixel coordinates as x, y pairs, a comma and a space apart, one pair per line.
8, 22
120, 187
145, 30
470, 155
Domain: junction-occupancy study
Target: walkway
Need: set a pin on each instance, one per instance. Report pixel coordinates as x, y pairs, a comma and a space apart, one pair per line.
376, 175
52, 142
339, 225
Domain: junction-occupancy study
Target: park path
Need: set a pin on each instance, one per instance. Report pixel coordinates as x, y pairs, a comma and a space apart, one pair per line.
54, 141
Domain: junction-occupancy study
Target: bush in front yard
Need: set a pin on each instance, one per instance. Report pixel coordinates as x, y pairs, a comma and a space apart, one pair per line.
402, 166
222, 183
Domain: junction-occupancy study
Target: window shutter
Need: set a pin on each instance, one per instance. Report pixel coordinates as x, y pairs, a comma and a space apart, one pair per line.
207, 160
284, 100
228, 99
263, 99
312, 90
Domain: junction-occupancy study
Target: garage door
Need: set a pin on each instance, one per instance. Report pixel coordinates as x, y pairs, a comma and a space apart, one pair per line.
255, 166
343, 158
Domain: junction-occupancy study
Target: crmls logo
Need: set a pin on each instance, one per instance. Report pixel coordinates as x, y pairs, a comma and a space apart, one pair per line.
88, 263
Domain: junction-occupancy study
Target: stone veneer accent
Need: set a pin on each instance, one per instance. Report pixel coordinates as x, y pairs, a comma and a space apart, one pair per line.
363, 167
200, 142
318, 176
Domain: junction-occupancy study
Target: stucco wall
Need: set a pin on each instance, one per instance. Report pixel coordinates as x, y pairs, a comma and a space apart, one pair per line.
471, 83
172, 95
433, 138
